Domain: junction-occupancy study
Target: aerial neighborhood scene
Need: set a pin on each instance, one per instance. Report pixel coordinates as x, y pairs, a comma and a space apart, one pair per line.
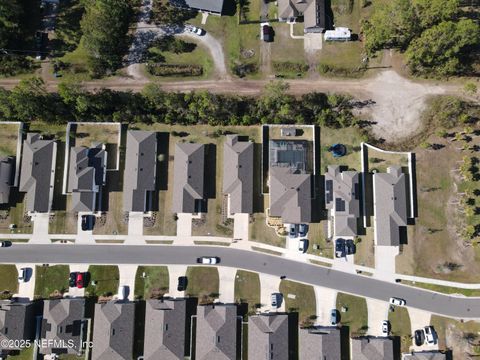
239, 179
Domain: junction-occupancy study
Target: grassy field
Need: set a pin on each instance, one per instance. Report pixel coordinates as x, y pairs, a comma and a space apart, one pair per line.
400, 326
59, 131
8, 279
356, 316
106, 278
247, 289
154, 284
203, 282
8, 139
462, 336
303, 301
51, 280
286, 49
381, 161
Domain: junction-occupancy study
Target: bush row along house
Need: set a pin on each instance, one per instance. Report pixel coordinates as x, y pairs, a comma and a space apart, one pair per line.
176, 328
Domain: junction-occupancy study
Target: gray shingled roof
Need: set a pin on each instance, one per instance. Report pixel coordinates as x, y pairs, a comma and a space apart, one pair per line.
165, 322
140, 170
38, 168
113, 331
268, 337
320, 343
342, 194
425, 355
17, 321
313, 11
86, 176
371, 348
214, 6
290, 195
6, 178
216, 333
63, 319
238, 174
390, 205
188, 177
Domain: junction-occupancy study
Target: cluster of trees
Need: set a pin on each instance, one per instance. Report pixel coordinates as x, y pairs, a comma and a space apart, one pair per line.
105, 25
438, 39
29, 101
164, 13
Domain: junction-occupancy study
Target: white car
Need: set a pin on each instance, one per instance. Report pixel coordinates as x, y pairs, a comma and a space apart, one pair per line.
208, 260
122, 292
194, 30
385, 326
22, 275
430, 335
397, 301
302, 245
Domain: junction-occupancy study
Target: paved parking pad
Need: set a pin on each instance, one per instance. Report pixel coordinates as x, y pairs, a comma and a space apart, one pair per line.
227, 284
174, 272
240, 226
377, 312
325, 301
26, 290
419, 319
184, 225
127, 278
74, 291
269, 284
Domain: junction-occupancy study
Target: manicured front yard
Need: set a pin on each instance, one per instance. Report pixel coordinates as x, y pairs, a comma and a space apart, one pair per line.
203, 282
106, 278
25, 354
247, 289
153, 284
400, 326
356, 314
299, 298
8, 278
51, 280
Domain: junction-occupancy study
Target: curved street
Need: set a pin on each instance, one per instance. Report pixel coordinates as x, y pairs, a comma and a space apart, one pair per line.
446, 305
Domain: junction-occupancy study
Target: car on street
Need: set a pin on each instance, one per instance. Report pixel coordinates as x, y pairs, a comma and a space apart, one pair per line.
267, 31
430, 335
292, 231
72, 280
302, 245
23, 275
5, 243
397, 301
302, 230
419, 337
385, 327
182, 283
333, 317
208, 260
80, 280
339, 248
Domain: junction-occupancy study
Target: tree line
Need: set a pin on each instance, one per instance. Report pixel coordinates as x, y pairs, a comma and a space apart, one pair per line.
29, 101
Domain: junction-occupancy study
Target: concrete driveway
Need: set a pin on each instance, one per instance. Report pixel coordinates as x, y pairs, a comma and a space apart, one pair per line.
74, 291
174, 272
127, 278
26, 290
418, 320
184, 225
227, 284
385, 262
40, 228
240, 226
325, 301
269, 284
377, 312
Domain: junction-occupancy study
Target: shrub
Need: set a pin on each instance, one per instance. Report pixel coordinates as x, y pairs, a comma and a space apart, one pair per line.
290, 67
175, 70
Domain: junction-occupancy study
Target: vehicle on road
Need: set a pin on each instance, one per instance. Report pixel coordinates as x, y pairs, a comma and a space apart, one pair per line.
5, 243
419, 337
430, 335
397, 301
208, 260
385, 327
292, 231
302, 245
122, 292
195, 30
72, 280
334, 317
339, 248
302, 230
23, 275
182, 283
80, 280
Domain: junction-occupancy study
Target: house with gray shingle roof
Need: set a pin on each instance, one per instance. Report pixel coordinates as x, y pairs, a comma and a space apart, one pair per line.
215, 7
188, 178
290, 195
7, 171
320, 343
113, 331
312, 11
17, 321
165, 329
139, 180
37, 174
426, 355
64, 321
342, 194
268, 337
373, 348
86, 177
217, 332
238, 174
389, 206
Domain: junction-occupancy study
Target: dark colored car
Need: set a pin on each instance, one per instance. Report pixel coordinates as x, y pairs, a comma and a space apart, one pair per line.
339, 248
334, 317
350, 247
87, 222
267, 33
419, 337
5, 243
182, 283
79, 280
72, 280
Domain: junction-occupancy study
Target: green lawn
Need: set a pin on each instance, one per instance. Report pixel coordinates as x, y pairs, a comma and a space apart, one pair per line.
106, 278
25, 354
317, 236
299, 298
260, 232
247, 289
356, 316
350, 137
400, 326
8, 279
443, 289
51, 280
154, 284
203, 282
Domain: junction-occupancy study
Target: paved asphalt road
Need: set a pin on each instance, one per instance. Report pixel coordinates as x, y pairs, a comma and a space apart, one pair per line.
155, 255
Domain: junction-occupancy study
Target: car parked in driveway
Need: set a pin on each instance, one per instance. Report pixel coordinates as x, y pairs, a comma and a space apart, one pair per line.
340, 248
385, 327
430, 335
122, 293
397, 301
333, 317
23, 275
182, 283
292, 231
80, 280
72, 280
195, 30
208, 260
5, 243
419, 337
267, 33
276, 300
88, 221
350, 247
302, 230
302, 245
